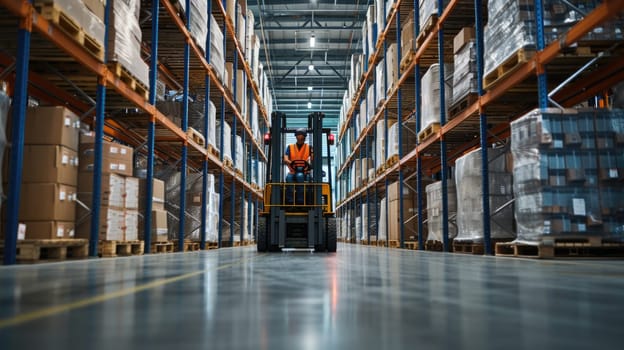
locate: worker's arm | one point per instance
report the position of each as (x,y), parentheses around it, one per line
(287,160)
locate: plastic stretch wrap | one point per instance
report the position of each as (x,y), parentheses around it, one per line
(199,22)
(380,87)
(511,26)
(131,219)
(434,210)
(193,213)
(371,30)
(562,160)
(380,17)
(250,32)
(358,228)
(364,232)
(240,159)
(382,232)
(430,83)
(196,116)
(211,138)
(465,71)
(392,66)
(364,43)
(226,146)
(370,102)
(217,58)
(5,102)
(380,142)
(255,127)
(78,11)
(468,177)
(124,39)
(427,8)
(363,114)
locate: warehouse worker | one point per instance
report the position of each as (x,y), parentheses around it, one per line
(298,151)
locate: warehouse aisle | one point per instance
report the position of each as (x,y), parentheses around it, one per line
(360,298)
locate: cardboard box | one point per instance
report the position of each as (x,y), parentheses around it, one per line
(50,163)
(131,225)
(464,36)
(131,193)
(112,191)
(51,126)
(109,166)
(229,75)
(49,229)
(159,226)
(394,225)
(393,191)
(47,202)
(97,7)
(112,222)
(158,194)
(109,149)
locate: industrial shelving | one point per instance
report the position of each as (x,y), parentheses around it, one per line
(88,87)
(483,121)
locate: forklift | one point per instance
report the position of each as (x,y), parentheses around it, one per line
(297,214)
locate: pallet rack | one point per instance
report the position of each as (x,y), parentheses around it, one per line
(80,70)
(480,122)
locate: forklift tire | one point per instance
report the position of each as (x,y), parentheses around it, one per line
(331,235)
(261,240)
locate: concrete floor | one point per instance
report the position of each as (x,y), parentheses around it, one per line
(360,298)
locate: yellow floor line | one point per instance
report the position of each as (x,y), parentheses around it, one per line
(53,310)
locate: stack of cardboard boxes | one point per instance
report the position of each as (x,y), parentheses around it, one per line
(159,214)
(50,173)
(119,191)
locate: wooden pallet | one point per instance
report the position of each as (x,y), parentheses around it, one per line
(162,247)
(109,249)
(123,74)
(211,245)
(507,67)
(413,245)
(461,104)
(238,172)
(429,25)
(406,60)
(392,161)
(475,247)
(435,246)
(213,151)
(53,13)
(382,243)
(560,247)
(393,243)
(38,250)
(243,243)
(431,129)
(380,170)
(228,163)
(196,136)
(188,246)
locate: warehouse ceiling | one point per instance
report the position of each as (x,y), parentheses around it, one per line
(285,28)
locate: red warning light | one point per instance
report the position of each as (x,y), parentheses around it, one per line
(331,139)
(267,138)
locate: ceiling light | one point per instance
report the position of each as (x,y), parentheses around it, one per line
(311,67)
(309,88)
(309,105)
(312,41)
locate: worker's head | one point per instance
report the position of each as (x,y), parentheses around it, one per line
(301,134)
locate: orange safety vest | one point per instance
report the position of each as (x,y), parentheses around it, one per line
(296,153)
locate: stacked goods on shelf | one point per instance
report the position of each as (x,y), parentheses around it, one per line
(211,139)
(370,32)
(217,56)
(568,165)
(159,231)
(364,218)
(511,28)
(380,142)
(392,66)
(380,83)
(382,225)
(380,16)
(49,173)
(359,228)
(355,73)
(256,66)
(87,14)
(4,114)
(239,217)
(434,210)
(240,153)
(408,138)
(465,65)
(427,12)
(240,26)
(241,91)
(196,116)
(193,197)
(468,177)
(199,20)
(119,192)
(249,37)
(410,227)
(430,83)
(226,146)
(124,39)
(370,102)
(408,42)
